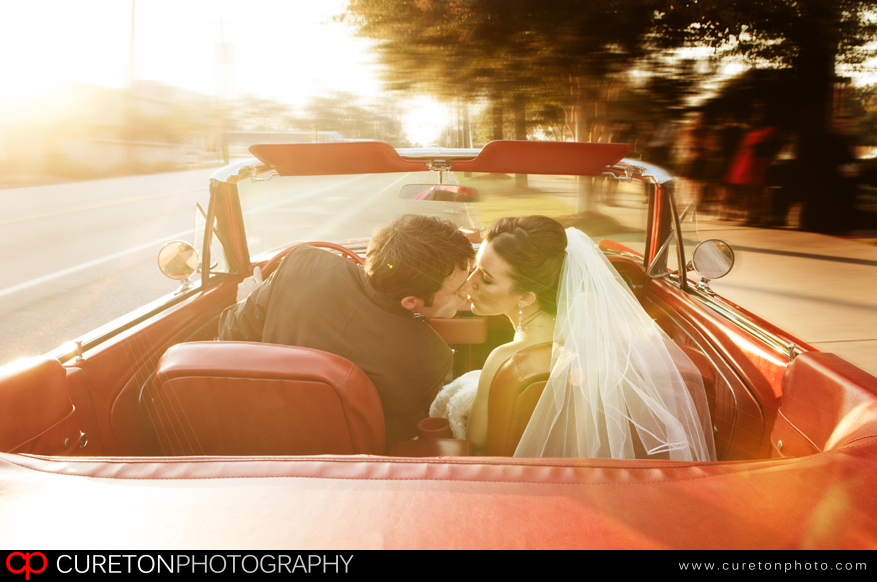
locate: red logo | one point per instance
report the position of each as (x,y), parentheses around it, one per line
(26,568)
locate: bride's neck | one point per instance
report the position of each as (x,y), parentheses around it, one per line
(538,326)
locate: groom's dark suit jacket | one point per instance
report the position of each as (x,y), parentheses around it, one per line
(316,299)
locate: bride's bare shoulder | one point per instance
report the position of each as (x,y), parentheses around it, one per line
(500,354)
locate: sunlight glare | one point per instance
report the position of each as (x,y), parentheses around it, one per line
(425,120)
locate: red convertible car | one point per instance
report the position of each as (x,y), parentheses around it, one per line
(151,435)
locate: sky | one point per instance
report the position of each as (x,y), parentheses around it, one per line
(282,49)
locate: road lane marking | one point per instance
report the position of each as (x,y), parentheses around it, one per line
(83,266)
(93,206)
(77,268)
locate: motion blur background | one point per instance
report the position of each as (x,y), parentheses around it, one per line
(766,110)
(96,88)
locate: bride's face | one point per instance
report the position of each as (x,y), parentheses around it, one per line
(492,286)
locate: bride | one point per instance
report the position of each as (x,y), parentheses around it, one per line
(612,372)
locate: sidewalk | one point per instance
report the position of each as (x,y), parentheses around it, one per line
(821,289)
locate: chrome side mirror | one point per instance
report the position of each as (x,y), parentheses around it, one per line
(711,259)
(178,260)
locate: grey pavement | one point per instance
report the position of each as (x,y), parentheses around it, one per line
(821,289)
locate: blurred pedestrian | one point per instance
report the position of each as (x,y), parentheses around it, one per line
(746,173)
(696,157)
(658,148)
(730,133)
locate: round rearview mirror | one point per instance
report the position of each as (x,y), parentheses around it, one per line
(439,192)
(178,260)
(712,259)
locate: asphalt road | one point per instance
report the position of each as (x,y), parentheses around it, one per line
(80,255)
(819,288)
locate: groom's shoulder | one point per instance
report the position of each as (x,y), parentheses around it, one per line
(310,264)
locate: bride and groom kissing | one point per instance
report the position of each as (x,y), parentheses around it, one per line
(613,371)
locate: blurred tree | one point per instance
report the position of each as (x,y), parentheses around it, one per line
(546,120)
(866,105)
(343,113)
(261,114)
(558,52)
(570,52)
(809,37)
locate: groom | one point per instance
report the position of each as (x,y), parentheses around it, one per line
(416,267)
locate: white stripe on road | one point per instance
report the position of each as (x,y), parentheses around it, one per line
(83,266)
(77,268)
(98,205)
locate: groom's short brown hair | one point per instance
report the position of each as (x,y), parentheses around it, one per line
(413,255)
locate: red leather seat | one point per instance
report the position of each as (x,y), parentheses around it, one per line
(240,398)
(519,383)
(827,403)
(514,392)
(38,417)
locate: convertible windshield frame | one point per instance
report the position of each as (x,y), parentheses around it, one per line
(655,179)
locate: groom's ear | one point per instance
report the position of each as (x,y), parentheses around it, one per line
(412,304)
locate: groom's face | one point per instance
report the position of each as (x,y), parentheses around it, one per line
(452,295)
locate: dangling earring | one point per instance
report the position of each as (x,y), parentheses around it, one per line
(520,319)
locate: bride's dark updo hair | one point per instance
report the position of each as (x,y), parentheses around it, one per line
(534,247)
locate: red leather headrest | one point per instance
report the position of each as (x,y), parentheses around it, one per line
(34,396)
(828,400)
(240,398)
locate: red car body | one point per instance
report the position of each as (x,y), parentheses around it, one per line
(795,428)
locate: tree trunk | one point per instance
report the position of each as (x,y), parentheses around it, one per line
(815,65)
(520,133)
(459,137)
(585,183)
(497,120)
(467,133)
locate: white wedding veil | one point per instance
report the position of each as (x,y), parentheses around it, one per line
(617,382)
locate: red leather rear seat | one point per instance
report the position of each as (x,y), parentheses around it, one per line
(240,398)
(826,403)
(38,417)
(519,382)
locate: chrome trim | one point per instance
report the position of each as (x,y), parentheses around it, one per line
(439,165)
(429,153)
(239,171)
(660,175)
(704,287)
(636,258)
(649,271)
(680,242)
(68,351)
(185,285)
(250,167)
(779,344)
(233,169)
